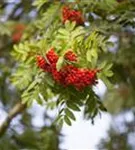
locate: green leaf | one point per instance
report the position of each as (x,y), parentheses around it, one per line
(102,107)
(107,82)
(106,69)
(31,86)
(70,25)
(88,55)
(48,80)
(94,53)
(40,100)
(69,114)
(108,73)
(63,32)
(39,3)
(94,115)
(60,63)
(91,103)
(67,120)
(73,106)
(60,123)
(29,103)
(78,32)
(108,66)
(67,24)
(102,65)
(92,56)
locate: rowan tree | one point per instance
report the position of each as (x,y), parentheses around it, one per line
(57,57)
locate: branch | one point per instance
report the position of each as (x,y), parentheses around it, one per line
(17,109)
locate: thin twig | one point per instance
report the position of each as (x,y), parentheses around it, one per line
(17,109)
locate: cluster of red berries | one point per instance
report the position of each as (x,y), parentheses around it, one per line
(18,32)
(68,75)
(79,78)
(70,56)
(72,15)
(48,63)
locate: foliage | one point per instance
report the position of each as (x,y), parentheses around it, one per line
(88,44)
(44,137)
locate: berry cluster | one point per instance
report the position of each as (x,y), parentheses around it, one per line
(79,78)
(48,63)
(72,15)
(17,33)
(70,56)
(68,75)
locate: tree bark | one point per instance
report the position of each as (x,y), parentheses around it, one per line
(17,109)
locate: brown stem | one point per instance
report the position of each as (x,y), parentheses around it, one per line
(17,109)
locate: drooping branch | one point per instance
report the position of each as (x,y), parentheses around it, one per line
(17,109)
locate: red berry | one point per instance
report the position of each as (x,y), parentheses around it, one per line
(18,32)
(41,62)
(16,37)
(52,56)
(49,66)
(72,15)
(71,56)
(56,75)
